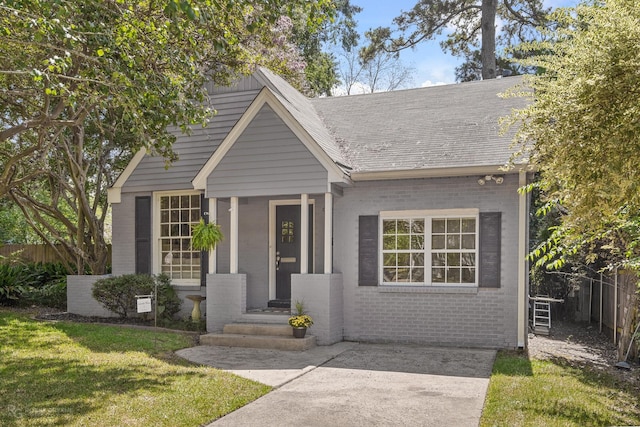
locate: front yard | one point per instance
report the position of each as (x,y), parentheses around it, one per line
(85,374)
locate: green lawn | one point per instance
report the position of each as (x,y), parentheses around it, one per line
(54,374)
(552,393)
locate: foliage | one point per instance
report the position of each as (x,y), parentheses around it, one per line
(85,85)
(34,284)
(473,24)
(205,236)
(321,69)
(581,132)
(525,392)
(300,319)
(78,374)
(118,294)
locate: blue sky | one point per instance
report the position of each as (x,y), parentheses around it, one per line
(431,64)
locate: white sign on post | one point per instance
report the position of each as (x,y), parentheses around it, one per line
(144,305)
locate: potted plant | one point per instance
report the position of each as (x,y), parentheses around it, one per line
(205,237)
(300,321)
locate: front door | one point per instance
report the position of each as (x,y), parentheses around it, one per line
(288,246)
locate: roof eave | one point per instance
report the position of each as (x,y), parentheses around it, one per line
(436,172)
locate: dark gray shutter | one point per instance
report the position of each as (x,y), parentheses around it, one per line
(490,249)
(143,234)
(204,255)
(368,250)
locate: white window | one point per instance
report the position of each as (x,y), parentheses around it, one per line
(429,247)
(178,212)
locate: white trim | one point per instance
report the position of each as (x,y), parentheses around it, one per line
(213,217)
(155,235)
(233,238)
(113,193)
(265,96)
(328,233)
(522,261)
(304,233)
(430,173)
(427,214)
(272,239)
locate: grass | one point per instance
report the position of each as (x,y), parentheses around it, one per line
(74,374)
(554,393)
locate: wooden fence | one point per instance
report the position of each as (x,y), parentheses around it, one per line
(33,253)
(610,302)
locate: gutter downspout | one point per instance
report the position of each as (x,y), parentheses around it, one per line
(522,262)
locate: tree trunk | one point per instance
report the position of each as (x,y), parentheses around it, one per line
(488,50)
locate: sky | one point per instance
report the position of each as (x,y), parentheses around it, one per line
(432,66)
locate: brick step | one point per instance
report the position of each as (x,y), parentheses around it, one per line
(260,341)
(257,329)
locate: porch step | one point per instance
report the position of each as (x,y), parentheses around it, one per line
(259,335)
(259,341)
(257,329)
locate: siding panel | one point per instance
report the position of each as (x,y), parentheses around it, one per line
(267,159)
(194,149)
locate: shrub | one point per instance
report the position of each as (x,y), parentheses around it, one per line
(33,284)
(118,294)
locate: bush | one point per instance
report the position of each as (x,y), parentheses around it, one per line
(118,294)
(34,284)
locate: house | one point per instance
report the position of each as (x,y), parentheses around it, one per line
(387,214)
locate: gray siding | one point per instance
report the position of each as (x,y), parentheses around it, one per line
(267,159)
(482,317)
(243,84)
(194,150)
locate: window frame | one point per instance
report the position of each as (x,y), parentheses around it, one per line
(157,246)
(428,215)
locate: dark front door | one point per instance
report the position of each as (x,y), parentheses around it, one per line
(288,246)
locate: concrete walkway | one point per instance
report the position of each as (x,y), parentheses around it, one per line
(350,384)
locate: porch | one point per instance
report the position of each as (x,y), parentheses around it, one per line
(275,250)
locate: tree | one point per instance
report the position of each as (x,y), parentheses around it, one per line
(321,69)
(474,22)
(382,73)
(582,133)
(83,85)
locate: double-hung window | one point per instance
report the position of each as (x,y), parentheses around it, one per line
(429,247)
(178,212)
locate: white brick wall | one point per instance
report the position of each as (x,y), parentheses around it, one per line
(322,297)
(226,299)
(482,318)
(80,297)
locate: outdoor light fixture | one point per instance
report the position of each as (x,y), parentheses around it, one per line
(483,180)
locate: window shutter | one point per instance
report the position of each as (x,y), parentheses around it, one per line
(368,250)
(143,234)
(490,249)
(204,255)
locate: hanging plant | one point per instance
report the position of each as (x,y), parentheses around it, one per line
(205,237)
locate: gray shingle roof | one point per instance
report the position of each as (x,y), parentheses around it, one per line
(435,127)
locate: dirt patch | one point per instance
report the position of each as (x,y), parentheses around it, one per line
(582,346)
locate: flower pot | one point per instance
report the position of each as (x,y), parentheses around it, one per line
(299,332)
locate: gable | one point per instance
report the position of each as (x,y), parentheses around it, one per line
(193,150)
(267,158)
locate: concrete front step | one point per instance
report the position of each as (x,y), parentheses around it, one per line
(260,341)
(257,329)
